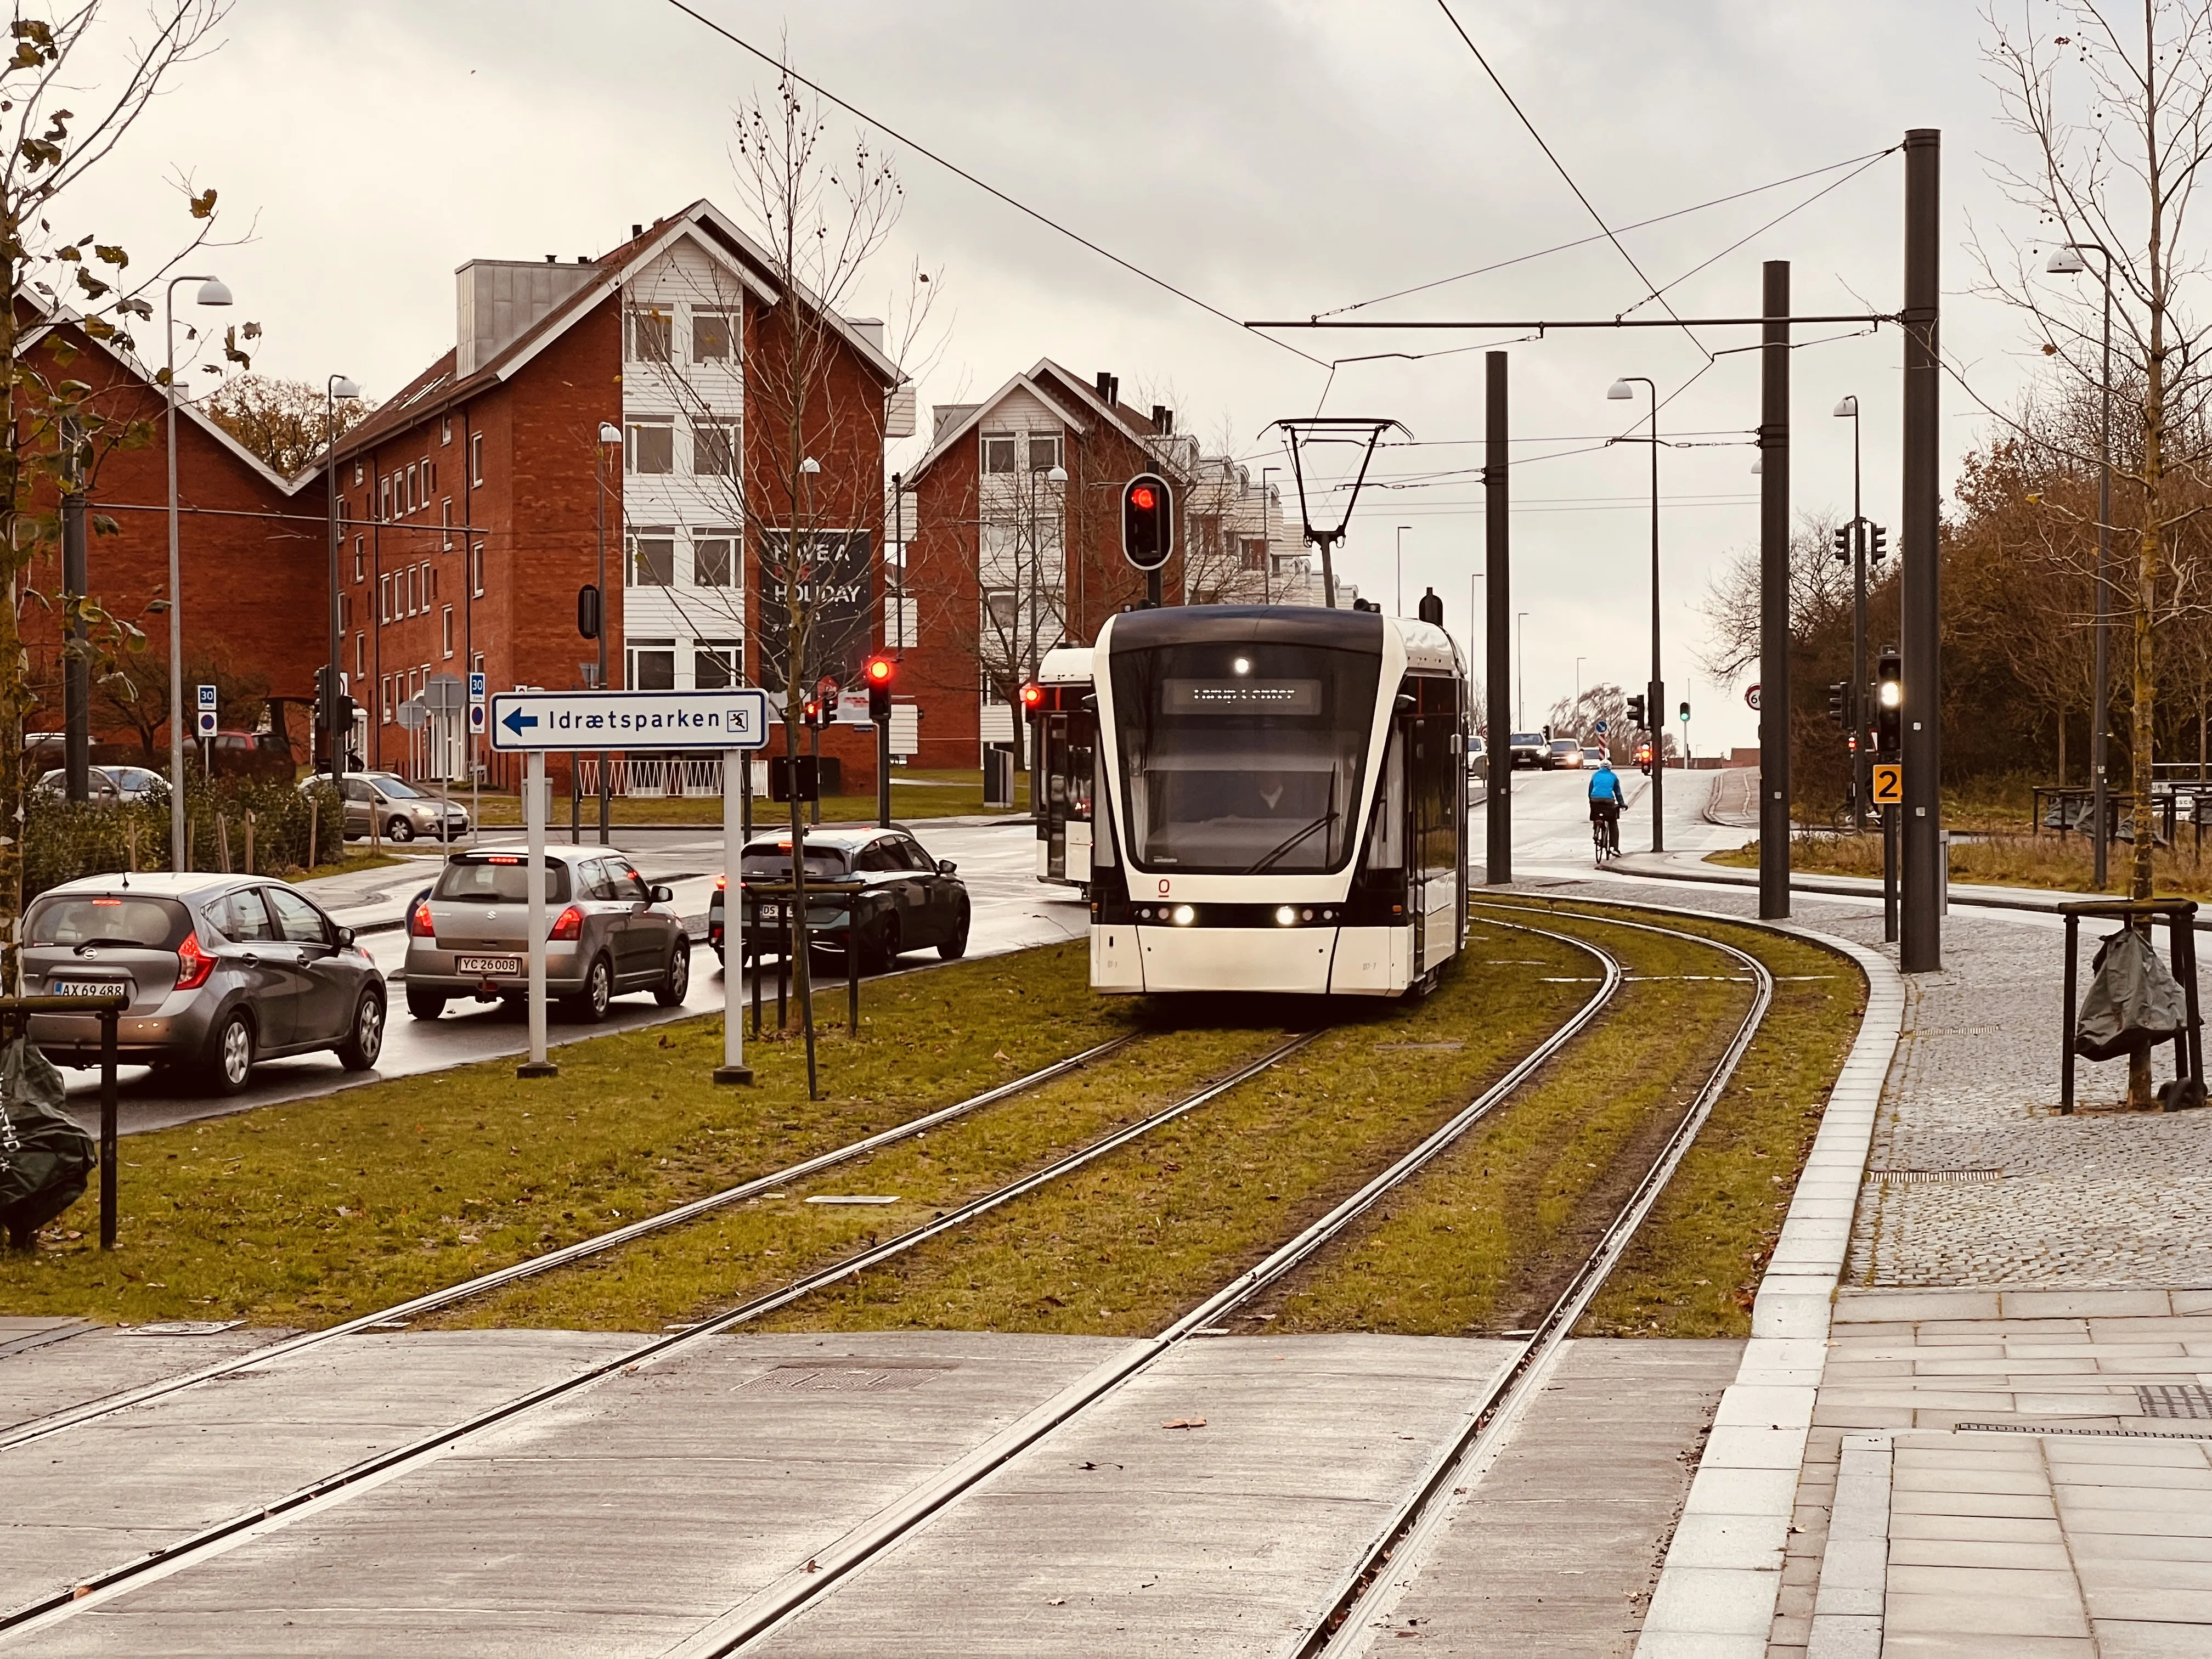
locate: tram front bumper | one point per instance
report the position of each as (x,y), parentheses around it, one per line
(1129,960)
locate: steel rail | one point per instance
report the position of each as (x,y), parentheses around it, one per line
(160,1563)
(791,1594)
(1348,1626)
(432,1300)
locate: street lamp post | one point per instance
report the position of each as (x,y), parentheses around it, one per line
(212,293)
(1401,609)
(1267,556)
(1849,409)
(1655,693)
(2068,262)
(334,388)
(611,439)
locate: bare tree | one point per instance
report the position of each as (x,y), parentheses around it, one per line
(1819,593)
(61,425)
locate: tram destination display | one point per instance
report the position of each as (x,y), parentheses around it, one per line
(1240,696)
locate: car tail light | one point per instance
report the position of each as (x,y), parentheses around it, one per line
(569,924)
(721,882)
(419,923)
(193,964)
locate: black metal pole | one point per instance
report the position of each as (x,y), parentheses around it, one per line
(1889,875)
(76,668)
(1860,748)
(2100,712)
(107,1198)
(1655,707)
(1774,596)
(1920,582)
(606,760)
(1498,580)
(884,774)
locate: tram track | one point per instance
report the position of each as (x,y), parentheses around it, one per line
(90,1590)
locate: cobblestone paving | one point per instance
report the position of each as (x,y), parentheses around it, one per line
(2094,1200)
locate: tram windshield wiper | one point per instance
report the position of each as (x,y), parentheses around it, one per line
(1284,846)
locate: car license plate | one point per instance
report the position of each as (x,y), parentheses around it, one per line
(86,987)
(489,965)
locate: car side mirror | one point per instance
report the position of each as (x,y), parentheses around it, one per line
(345,938)
(945,866)
(664,894)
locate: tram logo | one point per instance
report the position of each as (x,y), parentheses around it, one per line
(1164,886)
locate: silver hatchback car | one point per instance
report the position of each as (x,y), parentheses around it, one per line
(221,971)
(607,932)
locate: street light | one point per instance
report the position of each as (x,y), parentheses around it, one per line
(1848,409)
(211,293)
(611,439)
(1401,609)
(1521,677)
(1621,390)
(2068,262)
(336,388)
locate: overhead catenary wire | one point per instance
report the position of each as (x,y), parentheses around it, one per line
(781,67)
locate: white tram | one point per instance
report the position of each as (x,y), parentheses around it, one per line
(1280,801)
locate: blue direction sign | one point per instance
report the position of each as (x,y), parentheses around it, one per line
(734,719)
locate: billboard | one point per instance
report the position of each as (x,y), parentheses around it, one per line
(837,586)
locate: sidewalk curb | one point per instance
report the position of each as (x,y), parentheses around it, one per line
(1722,1580)
(1643,864)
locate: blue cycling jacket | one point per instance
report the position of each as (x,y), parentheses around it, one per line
(1605,784)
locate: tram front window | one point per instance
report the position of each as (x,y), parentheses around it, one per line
(1243,757)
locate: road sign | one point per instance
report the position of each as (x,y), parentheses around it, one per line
(207,696)
(413,715)
(540,720)
(476,688)
(852,707)
(443,695)
(205,726)
(1888,784)
(1751,695)
(1600,728)
(476,720)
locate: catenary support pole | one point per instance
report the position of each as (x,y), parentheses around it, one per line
(737,785)
(1774,596)
(1497,581)
(537,803)
(1920,947)
(76,667)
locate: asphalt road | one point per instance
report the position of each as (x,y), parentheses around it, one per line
(1011,910)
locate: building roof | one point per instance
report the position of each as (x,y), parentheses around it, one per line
(703,223)
(1074,399)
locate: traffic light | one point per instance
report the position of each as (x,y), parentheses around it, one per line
(1879,544)
(1636,720)
(1147,521)
(1843,543)
(810,713)
(878,675)
(1685,711)
(1836,711)
(587,612)
(1889,702)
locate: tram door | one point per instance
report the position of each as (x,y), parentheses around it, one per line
(1065,741)
(1436,807)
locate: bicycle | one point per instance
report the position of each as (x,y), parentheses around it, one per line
(1605,841)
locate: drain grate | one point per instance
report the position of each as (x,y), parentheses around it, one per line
(836,1379)
(2058,1429)
(2175,1400)
(1956,1177)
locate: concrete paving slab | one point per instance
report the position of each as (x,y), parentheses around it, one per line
(104,1361)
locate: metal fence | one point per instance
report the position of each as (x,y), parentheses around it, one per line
(651,776)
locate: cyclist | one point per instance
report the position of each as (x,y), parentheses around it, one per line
(1605,801)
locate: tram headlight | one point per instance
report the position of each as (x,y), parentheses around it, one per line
(1285,917)
(1243,665)
(1184,915)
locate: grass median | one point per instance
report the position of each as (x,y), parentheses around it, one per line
(2001,861)
(307,1213)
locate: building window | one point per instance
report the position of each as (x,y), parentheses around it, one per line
(713,448)
(360,560)
(651,446)
(999,454)
(345,611)
(446,429)
(446,524)
(358,472)
(430,479)
(384,499)
(446,632)
(475,664)
(714,559)
(1044,453)
(476,568)
(650,331)
(1255,555)
(383,699)
(710,336)
(475,458)
(429,584)
(652,560)
(1002,612)
(651,664)
(715,664)
(360,658)
(414,497)
(383,599)
(413,588)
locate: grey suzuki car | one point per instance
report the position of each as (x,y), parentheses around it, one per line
(606,933)
(221,971)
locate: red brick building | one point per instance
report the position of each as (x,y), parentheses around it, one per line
(251,547)
(480,499)
(1004,560)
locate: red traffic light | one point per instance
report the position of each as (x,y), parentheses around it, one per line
(1032,694)
(879,671)
(1147,521)
(1143,499)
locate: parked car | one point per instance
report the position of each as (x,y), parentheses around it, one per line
(220,971)
(1593,753)
(878,889)
(1477,757)
(1529,749)
(106,786)
(1564,755)
(399,811)
(607,934)
(248,755)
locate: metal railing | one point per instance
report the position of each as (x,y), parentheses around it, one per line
(651,776)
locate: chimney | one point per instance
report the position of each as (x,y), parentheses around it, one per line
(1163,419)
(497,300)
(636,231)
(870,329)
(1107,386)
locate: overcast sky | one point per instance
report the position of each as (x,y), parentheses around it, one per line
(1275,158)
